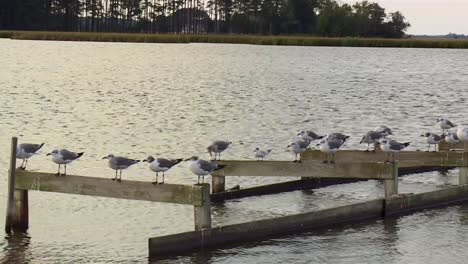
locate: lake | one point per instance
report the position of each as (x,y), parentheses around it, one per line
(172,100)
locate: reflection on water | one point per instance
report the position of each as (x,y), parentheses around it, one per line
(173,100)
(16,248)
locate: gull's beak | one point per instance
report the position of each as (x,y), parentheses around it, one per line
(422,136)
(145,160)
(187,159)
(317,145)
(360,142)
(48,154)
(105,158)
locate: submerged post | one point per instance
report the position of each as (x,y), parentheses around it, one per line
(203,212)
(11,186)
(218,183)
(391,185)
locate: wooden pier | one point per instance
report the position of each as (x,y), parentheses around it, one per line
(350,165)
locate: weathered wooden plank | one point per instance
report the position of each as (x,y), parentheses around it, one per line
(443,146)
(310,168)
(251,231)
(135,190)
(405,158)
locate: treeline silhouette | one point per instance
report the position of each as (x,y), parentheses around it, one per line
(317,17)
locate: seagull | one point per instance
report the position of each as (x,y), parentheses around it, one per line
(118,163)
(298,147)
(25,151)
(386,131)
(161,165)
(64,157)
(330,146)
(337,136)
(261,154)
(371,137)
(202,168)
(217,147)
(445,124)
(392,146)
(432,139)
(309,135)
(451,138)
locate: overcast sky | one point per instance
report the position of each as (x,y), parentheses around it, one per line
(430,17)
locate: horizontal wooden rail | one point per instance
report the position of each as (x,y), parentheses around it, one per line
(405,158)
(135,190)
(311,168)
(444,146)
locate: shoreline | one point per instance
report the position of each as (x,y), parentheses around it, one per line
(280,40)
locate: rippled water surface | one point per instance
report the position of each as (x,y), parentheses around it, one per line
(171,100)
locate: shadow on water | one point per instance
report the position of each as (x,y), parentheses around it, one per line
(16,248)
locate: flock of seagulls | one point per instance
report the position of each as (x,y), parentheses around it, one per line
(329,144)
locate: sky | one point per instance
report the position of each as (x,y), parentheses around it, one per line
(429,17)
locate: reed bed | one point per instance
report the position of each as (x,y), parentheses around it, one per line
(238,39)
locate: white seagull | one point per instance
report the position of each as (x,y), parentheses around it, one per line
(118,163)
(201,168)
(161,165)
(261,154)
(25,151)
(63,157)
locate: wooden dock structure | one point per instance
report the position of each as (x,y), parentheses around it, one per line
(349,165)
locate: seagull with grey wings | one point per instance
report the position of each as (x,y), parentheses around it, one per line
(161,165)
(64,157)
(432,139)
(119,163)
(25,151)
(217,147)
(385,130)
(330,147)
(309,135)
(391,147)
(201,168)
(337,136)
(451,138)
(445,124)
(371,137)
(298,147)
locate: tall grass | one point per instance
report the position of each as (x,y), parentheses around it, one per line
(238,39)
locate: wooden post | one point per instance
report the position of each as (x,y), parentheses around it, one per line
(203,212)
(218,183)
(20,210)
(463,170)
(391,185)
(11,186)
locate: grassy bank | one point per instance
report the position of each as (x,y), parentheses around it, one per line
(238,39)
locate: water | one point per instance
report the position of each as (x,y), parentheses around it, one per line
(173,99)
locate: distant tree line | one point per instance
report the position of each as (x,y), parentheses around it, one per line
(316,17)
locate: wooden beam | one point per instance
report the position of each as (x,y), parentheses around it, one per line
(135,190)
(405,158)
(11,186)
(443,146)
(391,185)
(310,168)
